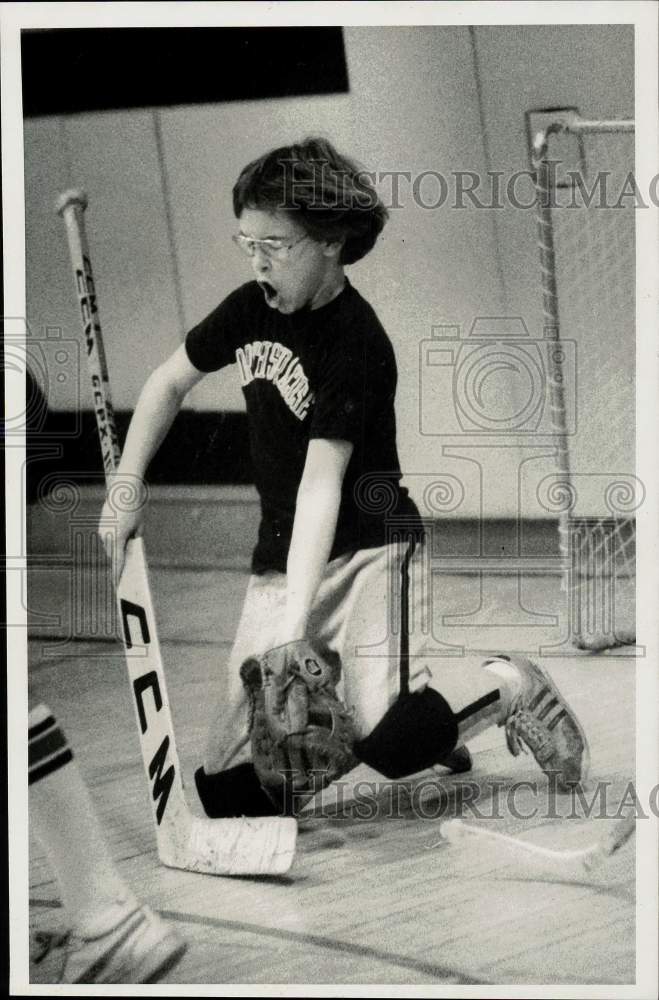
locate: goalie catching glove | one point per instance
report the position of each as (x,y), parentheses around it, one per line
(302,735)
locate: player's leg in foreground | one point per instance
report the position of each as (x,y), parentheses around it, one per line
(112,937)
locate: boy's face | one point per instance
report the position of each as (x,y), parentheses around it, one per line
(303,273)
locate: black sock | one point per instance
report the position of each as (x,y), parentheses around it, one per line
(234,792)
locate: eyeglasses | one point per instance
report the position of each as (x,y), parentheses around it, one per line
(275,249)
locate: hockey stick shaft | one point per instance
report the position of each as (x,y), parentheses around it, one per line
(231,846)
(456,831)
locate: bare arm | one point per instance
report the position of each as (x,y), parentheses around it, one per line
(157,406)
(316,513)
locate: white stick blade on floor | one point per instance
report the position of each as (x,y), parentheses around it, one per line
(245,846)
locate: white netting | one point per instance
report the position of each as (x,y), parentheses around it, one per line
(593,235)
(601,581)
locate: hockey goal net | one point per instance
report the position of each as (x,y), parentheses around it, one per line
(585,207)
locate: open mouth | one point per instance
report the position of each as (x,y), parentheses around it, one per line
(268,290)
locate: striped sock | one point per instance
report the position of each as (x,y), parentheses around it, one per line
(48,749)
(63,818)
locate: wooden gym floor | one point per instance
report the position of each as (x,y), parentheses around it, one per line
(372,897)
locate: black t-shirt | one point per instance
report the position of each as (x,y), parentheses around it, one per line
(316,373)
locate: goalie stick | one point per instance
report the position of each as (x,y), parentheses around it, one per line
(244,846)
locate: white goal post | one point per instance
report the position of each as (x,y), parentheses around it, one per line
(586,243)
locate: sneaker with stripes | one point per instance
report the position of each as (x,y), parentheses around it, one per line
(141,949)
(540,719)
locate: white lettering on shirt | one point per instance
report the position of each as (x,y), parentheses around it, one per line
(275,363)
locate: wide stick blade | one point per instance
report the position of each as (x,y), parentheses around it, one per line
(245,846)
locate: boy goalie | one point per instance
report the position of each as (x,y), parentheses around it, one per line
(319,677)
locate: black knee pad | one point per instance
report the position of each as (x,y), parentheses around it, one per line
(415,733)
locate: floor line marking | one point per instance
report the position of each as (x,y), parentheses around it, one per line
(329,944)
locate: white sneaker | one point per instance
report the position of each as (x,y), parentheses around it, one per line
(141,949)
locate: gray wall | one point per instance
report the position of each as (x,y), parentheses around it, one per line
(421,98)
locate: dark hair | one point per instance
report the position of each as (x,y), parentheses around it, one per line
(330,196)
